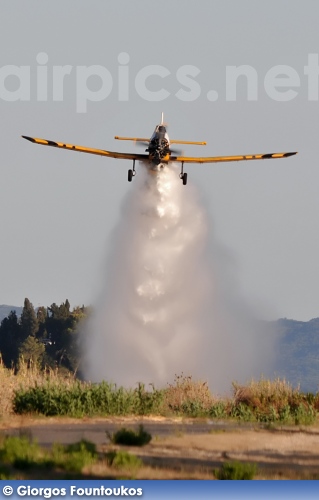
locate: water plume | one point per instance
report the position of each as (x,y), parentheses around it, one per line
(168,304)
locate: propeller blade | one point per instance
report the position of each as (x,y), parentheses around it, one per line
(175,151)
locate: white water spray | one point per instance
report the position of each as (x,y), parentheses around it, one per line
(162,311)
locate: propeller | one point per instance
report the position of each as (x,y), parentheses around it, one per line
(177,152)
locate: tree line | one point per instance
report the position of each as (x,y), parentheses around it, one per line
(46,337)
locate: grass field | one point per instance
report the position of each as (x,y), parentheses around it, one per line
(32,391)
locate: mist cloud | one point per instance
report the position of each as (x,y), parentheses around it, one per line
(169,302)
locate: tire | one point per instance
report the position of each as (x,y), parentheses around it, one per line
(184,179)
(130,175)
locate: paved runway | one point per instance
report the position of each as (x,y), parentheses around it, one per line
(95,430)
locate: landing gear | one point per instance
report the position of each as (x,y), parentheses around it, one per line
(183,175)
(184,179)
(131,173)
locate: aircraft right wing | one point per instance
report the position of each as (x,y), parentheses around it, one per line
(216,159)
(83,149)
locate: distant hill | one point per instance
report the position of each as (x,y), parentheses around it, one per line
(298,352)
(5,311)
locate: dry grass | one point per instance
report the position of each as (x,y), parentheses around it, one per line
(259,400)
(27,376)
(188,395)
(257,392)
(263,393)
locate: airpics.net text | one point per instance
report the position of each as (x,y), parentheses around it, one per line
(95,83)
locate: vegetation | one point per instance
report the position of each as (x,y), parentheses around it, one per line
(274,401)
(259,401)
(22,454)
(46,337)
(130,437)
(76,399)
(236,471)
(188,397)
(123,460)
(19,452)
(40,361)
(39,365)
(21,458)
(73,457)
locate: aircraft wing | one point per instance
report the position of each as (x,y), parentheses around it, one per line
(216,159)
(83,149)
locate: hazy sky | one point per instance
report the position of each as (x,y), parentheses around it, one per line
(58,208)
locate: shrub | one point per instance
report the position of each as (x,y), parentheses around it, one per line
(304,415)
(130,437)
(218,410)
(188,397)
(74,457)
(123,460)
(236,471)
(242,412)
(26,376)
(20,452)
(5,473)
(146,402)
(273,401)
(79,399)
(76,400)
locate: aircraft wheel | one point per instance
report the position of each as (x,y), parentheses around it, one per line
(130,175)
(184,179)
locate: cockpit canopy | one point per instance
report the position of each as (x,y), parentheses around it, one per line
(160,133)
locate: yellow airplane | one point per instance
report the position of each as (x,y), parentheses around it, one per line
(159,152)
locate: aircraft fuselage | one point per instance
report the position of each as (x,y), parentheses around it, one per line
(159,146)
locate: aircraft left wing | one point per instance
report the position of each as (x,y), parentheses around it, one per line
(216,159)
(83,149)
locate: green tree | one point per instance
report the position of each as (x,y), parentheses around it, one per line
(61,325)
(28,321)
(9,339)
(42,315)
(48,336)
(31,351)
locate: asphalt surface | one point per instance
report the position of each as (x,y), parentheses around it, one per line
(96,431)
(290,452)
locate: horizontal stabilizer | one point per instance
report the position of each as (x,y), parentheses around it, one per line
(195,143)
(135,139)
